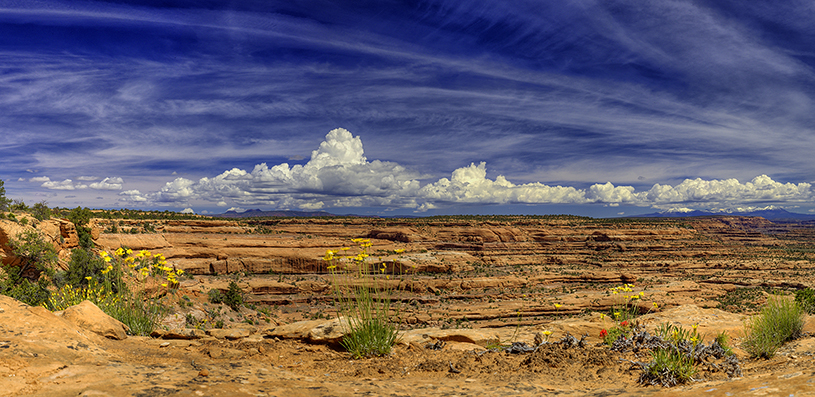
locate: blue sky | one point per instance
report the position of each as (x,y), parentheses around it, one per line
(596,108)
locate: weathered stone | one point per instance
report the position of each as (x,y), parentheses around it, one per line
(184,334)
(229,333)
(90,317)
(220,352)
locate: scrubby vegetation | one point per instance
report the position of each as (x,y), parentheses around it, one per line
(781,320)
(365,305)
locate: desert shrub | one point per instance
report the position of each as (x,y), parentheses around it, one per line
(670,367)
(234,296)
(780,320)
(215,296)
(723,340)
(623,329)
(4,202)
(366,307)
(36,254)
(14,285)
(84,266)
(101,280)
(806,299)
(40,211)
(18,205)
(80,217)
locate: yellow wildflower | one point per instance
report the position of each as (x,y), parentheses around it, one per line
(88,278)
(399,250)
(558,305)
(547,332)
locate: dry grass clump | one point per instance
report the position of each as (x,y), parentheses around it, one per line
(780,320)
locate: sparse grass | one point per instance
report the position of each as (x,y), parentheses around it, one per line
(670,367)
(806,299)
(781,320)
(365,306)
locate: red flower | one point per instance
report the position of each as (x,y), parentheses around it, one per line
(603,333)
(624,323)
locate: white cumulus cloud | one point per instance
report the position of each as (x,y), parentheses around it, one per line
(66,184)
(108,184)
(339,175)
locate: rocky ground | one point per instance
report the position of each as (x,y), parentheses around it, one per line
(461,285)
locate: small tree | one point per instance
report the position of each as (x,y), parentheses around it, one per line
(36,254)
(4,202)
(24,282)
(40,211)
(80,218)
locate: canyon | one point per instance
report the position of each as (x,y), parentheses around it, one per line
(464,282)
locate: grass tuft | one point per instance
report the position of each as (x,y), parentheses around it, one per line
(780,320)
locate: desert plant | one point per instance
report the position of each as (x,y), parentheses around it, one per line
(723,340)
(669,367)
(215,296)
(80,217)
(35,253)
(105,286)
(234,296)
(365,306)
(781,319)
(625,306)
(806,299)
(84,265)
(4,201)
(40,211)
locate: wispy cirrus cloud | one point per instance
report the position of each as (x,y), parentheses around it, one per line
(558,97)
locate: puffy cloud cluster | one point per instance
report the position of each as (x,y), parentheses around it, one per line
(339,175)
(110,183)
(471,185)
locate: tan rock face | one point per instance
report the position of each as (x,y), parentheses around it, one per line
(87,316)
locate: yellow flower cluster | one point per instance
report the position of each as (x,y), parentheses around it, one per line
(69,295)
(144,263)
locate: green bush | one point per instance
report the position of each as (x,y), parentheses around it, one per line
(215,296)
(4,202)
(26,282)
(670,367)
(780,320)
(14,285)
(80,217)
(806,299)
(40,211)
(371,329)
(84,263)
(36,254)
(234,296)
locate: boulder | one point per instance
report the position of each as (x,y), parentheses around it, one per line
(88,316)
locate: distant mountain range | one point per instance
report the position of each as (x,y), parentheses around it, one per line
(256,213)
(776,215)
